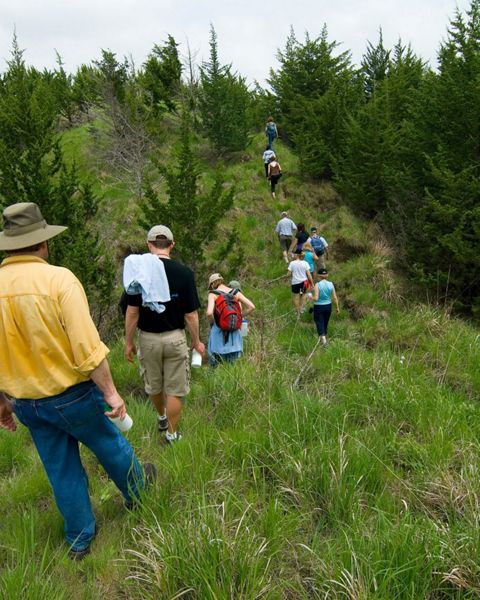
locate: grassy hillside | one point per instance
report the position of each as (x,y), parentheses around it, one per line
(349,472)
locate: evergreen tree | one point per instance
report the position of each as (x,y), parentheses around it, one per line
(375,65)
(448,148)
(193,215)
(32,168)
(161,76)
(315,90)
(111,78)
(85,88)
(375,165)
(224,103)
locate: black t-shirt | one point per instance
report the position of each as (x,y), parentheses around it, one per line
(184,299)
(302,236)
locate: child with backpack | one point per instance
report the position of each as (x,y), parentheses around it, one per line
(271,131)
(225,309)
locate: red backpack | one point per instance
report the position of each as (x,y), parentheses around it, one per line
(227,312)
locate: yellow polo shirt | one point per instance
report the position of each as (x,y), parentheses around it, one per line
(48,341)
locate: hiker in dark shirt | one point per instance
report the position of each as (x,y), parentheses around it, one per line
(300,238)
(163,349)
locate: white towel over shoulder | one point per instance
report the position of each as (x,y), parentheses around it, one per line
(145,274)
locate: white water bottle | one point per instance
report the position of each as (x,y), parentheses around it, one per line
(196,359)
(244,328)
(122,425)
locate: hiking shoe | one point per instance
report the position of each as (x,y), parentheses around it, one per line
(172,438)
(162,423)
(78,554)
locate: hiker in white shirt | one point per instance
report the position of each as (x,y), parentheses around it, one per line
(301,281)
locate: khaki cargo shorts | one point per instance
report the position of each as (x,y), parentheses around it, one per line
(285,242)
(164,362)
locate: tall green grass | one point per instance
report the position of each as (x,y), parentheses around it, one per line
(350,472)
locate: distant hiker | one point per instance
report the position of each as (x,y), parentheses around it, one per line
(274,174)
(271,131)
(285,230)
(235,285)
(320,246)
(300,238)
(323,293)
(162,347)
(55,376)
(301,280)
(310,257)
(225,310)
(268,155)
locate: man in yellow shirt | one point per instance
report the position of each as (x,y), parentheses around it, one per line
(55,376)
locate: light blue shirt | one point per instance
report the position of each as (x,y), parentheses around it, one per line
(325,291)
(267,155)
(309,258)
(286,227)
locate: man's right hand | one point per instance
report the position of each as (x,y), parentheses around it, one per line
(130,351)
(6,416)
(117,404)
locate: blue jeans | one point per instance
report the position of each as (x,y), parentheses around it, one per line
(57,424)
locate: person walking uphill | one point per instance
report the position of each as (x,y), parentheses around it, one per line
(162,347)
(285,230)
(320,246)
(322,304)
(274,174)
(268,155)
(301,277)
(225,346)
(271,131)
(55,376)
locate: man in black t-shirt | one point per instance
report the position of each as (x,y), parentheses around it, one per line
(162,348)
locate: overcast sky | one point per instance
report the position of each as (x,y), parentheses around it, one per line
(249,31)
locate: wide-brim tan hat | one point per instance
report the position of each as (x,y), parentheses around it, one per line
(213,278)
(25,226)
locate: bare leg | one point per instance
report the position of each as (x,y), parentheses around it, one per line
(296,302)
(174,412)
(159,403)
(303,300)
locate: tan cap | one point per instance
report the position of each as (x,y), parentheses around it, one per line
(25,226)
(213,278)
(159,230)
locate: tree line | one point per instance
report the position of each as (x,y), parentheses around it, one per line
(399,140)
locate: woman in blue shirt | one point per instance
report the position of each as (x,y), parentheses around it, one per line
(322,304)
(310,256)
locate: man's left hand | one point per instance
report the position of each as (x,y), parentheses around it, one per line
(6,416)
